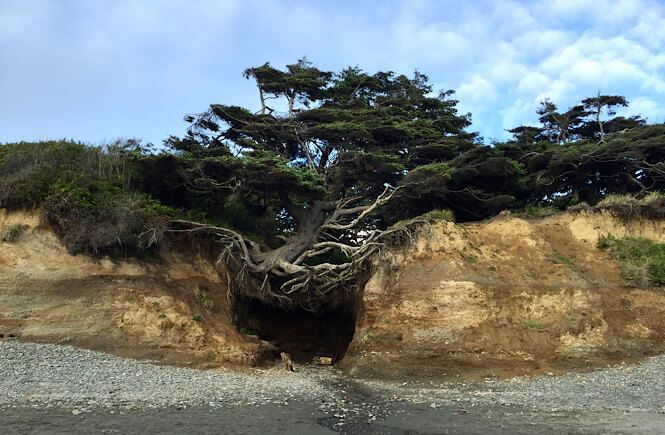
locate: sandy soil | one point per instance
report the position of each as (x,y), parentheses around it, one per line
(506,297)
(138,309)
(494,299)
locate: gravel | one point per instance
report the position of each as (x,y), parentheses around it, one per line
(56,375)
(626,388)
(44,376)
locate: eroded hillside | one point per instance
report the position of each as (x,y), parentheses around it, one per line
(147,309)
(506,297)
(500,298)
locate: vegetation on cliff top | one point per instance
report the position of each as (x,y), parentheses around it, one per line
(300,200)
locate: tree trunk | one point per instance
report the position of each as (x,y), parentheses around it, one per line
(600,124)
(263,100)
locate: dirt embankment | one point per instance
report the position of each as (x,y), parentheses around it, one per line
(129,308)
(506,297)
(499,298)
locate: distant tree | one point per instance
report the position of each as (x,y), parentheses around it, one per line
(560,125)
(526,135)
(595,106)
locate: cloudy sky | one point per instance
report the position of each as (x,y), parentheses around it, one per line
(99,70)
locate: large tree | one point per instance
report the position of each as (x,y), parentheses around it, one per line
(312,179)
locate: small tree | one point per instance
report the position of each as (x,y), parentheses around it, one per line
(596,105)
(560,125)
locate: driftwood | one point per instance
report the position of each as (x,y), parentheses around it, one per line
(286,359)
(323,360)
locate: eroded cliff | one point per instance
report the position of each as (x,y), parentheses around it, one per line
(506,297)
(501,298)
(141,309)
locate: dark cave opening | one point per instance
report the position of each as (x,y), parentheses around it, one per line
(300,333)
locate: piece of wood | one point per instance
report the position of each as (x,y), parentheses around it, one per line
(323,360)
(286,359)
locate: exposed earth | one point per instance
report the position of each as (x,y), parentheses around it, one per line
(451,321)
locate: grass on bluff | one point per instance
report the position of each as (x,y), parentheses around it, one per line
(537,210)
(642,260)
(652,205)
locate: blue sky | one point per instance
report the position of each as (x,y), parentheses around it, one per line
(100,70)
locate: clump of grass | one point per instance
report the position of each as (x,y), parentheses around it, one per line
(642,260)
(562,259)
(439,215)
(201,298)
(197,317)
(11,233)
(467,257)
(531,324)
(539,210)
(651,205)
(246,330)
(429,217)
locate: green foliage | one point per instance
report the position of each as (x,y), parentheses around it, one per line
(533,325)
(11,233)
(439,215)
(561,259)
(440,169)
(642,260)
(87,192)
(197,317)
(537,210)
(201,298)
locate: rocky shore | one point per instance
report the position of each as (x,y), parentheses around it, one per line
(48,388)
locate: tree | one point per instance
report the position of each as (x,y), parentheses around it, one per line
(316,176)
(596,105)
(583,121)
(526,135)
(560,126)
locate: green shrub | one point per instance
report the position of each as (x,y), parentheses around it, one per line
(11,233)
(87,193)
(642,260)
(439,215)
(627,206)
(541,210)
(197,317)
(537,210)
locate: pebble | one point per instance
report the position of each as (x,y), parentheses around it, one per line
(49,376)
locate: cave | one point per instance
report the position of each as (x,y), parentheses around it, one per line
(300,333)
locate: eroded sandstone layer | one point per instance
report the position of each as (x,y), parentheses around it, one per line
(500,298)
(141,309)
(506,297)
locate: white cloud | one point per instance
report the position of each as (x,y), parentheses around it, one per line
(647,108)
(169,58)
(507,73)
(533,82)
(477,90)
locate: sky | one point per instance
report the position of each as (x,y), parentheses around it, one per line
(96,71)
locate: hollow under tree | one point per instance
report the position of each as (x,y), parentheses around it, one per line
(316,175)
